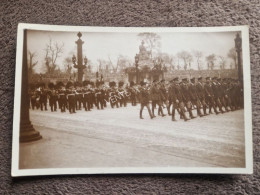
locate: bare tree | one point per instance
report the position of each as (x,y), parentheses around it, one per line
(31,62)
(222,63)
(233,55)
(186,57)
(114,67)
(52,53)
(152,40)
(168,60)
(123,62)
(198,55)
(211,61)
(104,65)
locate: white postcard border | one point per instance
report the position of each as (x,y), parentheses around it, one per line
(15,171)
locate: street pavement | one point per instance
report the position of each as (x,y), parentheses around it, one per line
(118,138)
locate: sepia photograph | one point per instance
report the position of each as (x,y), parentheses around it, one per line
(106,100)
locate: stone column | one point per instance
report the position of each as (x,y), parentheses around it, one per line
(27,131)
(79,65)
(238,45)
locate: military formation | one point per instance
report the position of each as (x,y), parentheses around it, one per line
(204,95)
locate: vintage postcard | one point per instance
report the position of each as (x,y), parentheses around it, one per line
(103,100)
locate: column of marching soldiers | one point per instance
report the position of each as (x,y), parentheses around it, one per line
(204,95)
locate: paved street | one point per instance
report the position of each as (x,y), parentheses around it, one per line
(118,138)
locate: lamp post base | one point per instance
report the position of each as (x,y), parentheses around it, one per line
(28,133)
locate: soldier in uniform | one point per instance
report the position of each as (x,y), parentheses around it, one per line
(87,96)
(43,97)
(79,95)
(222,94)
(62,100)
(53,97)
(201,95)
(217,93)
(98,96)
(225,85)
(113,95)
(187,96)
(194,96)
(177,99)
(133,93)
(164,95)
(156,98)
(209,95)
(122,94)
(144,100)
(71,92)
(103,94)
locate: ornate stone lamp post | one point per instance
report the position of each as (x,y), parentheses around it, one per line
(79,65)
(27,131)
(136,67)
(238,44)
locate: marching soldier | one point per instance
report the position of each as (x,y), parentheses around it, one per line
(164,95)
(43,97)
(78,95)
(156,98)
(122,94)
(98,96)
(53,97)
(201,95)
(62,100)
(71,97)
(225,84)
(144,100)
(210,96)
(87,96)
(194,96)
(187,96)
(177,99)
(133,93)
(222,94)
(217,93)
(113,95)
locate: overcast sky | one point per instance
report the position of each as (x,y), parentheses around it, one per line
(101,45)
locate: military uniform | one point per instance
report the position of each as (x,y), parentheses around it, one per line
(144,100)
(201,95)
(177,99)
(187,97)
(79,98)
(122,94)
(53,97)
(133,93)
(43,99)
(71,96)
(217,93)
(194,96)
(62,99)
(99,101)
(156,98)
(210,96)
